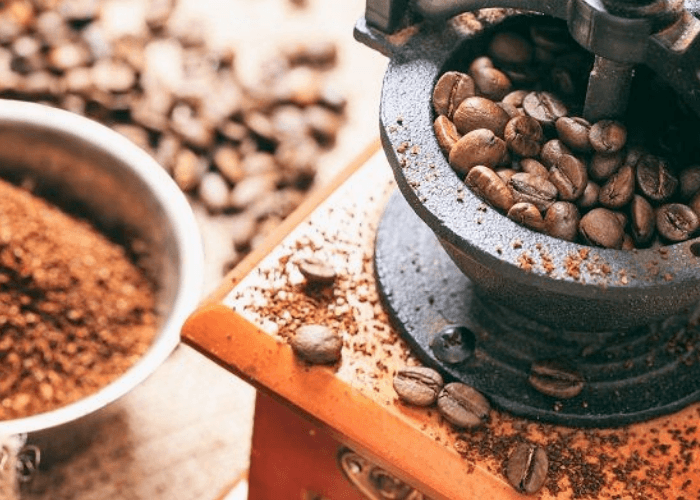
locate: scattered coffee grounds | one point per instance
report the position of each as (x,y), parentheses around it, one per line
(510,124)
(75,312)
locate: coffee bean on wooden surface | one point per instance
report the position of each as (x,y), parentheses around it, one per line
(445,133)
(527,215)
(527,468)
(418,385)
(556,379)
(608,136)
(603,165)
(643,220)
(533,189)
(573,131)
(600,227)
(654,178)
(316,270)
(534,167)
(589,198)
(451,89)
(317,344)
(544,107)
(462,405)
(569,176)
(508,47)
(676,222)
(478,147)
(618,191)
(479,112)
(689,181)
(523,136)
(561,220)
(552,150)
(488,186)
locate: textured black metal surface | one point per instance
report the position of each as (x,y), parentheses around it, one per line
(630,375)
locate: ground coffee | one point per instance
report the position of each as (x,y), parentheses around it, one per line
(75,312)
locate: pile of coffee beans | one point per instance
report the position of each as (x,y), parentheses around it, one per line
(245,150)
(509,123)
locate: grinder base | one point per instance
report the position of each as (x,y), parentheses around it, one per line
(630,375)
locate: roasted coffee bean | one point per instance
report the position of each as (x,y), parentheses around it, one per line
(511,110)
(445,133)
(533,189)
(418,385)
(554,378)
(618,191)
(492,83)
(621,218)
(561,220)
(523,136)
(608,136)
(544,107)
(689,180)
(603,165)
(508,47)
(654,178)
(602,228)
(450,90)
(488,186)
(628,242)
(527,215)
(462,405)
(551,152)
(317,344)
(676,222)
(316,271)
(515,98)
(505,174)
(478,112)
(533,167)
(569,176)
(480,63)
(695,204)
(589,198)
(478,147)
(527,468)
(573,131)
(643,220)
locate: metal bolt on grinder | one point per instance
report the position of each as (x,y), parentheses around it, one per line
(450,268)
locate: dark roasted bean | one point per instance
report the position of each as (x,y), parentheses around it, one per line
(551,152)
(544,107)
(478,112)
(589,198)
(603,165)
(527,468)
(555,379)
(445,133)
(523,136)
(619,189)
(515,98)
(478,147)
(573,131)
(569,176)
(488,186)
(532,189)
(462,405)
(643,220)
(689,180)
(532,166)
(608,136)
(654,178)
(418,385)
(527,215)
(561,220)
(451,89)
(676,222)
(601,227)
(492,83)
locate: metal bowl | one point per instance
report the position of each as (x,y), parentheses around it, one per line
(557,283)
(123,189)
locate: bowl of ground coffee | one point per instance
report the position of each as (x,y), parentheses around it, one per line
(101,263)
(576,283)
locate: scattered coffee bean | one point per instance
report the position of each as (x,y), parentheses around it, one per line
(676,222)
(561,220)
(446,133)
(654,178)
(317,344)
(478,147)
(451,89)
(523,136)
(316,271)
(544,107)
(618,191)
(527,468)
(555,379)
(418,385)
(533,189)
(487,185)
(689,180)
(510,48)
(600,227)
(552,151)
(608,136)
(527,215)
(643,220)
(569,176)
(462,405)
(478,112)
(573,131)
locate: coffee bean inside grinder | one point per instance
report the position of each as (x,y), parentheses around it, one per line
(510,122)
